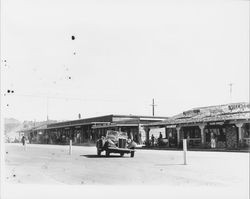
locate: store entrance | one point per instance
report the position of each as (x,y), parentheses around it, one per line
(193,136)
(218,132)
(171,134)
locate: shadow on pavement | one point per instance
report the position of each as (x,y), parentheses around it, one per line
(103,156)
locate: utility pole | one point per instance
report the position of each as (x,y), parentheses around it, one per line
(231,90)
(153,107)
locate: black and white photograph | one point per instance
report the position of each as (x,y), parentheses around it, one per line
(125,99)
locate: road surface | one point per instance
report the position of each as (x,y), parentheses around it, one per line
(52,165)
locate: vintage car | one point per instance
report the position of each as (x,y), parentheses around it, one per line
(115,142)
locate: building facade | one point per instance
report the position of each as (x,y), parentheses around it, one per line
(88,130)
(224,127)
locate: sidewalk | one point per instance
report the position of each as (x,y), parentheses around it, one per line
(196,149)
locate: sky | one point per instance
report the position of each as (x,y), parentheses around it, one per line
(182,53)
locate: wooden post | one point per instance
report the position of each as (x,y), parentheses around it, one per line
(202,133)
(239,125)
(178,135)
(70,147)
(185,151)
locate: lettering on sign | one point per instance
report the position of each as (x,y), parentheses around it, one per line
(238,106)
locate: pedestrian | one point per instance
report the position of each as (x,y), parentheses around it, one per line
(160,140)
(160,136)
(24,142)
(152,139)
(131,135)
(140,139)
(213,144)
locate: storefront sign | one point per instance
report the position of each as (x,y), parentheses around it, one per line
(238,106)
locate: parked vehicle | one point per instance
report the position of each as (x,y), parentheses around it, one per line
(116,142)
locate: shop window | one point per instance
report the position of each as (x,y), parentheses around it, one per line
(221,135)
(192,133)
(218,133)
(207,135)
(186,133)
(197,133)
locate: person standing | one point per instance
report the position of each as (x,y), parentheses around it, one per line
(24,142)
(160,136)
(152,139)
(213,145)
(140,139)
(160,140)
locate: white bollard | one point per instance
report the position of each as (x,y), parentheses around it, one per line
(70,147)
(185,151)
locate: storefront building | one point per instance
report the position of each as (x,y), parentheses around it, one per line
(223,127)
(88,130)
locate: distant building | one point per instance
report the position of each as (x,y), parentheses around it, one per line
(88,130)
(228,125)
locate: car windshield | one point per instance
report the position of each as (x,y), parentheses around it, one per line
(114,133)
(122,134)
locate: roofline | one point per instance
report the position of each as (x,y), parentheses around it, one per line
(219,105)
(113,115)
(139,116)
(71,125)
(114,125)
(192,122)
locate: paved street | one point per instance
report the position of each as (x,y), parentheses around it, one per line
(51,164)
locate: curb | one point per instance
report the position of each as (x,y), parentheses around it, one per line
(199,150)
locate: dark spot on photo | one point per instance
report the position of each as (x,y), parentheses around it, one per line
(73,37)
